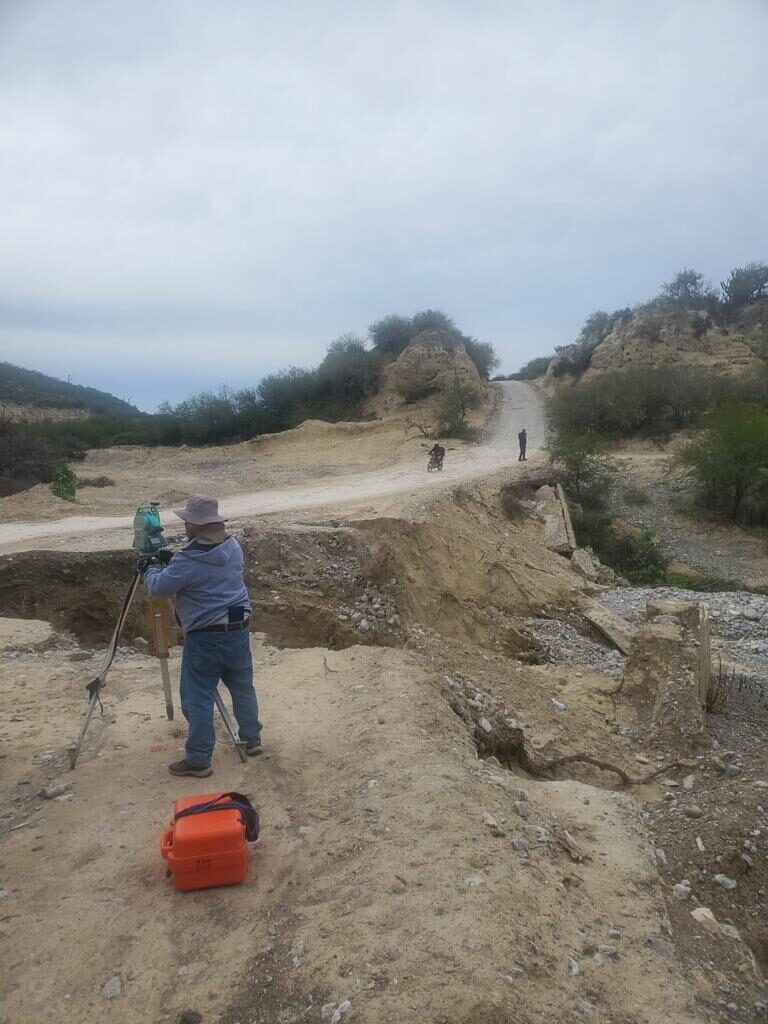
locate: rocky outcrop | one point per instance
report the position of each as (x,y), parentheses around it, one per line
(649,337)
(433,361)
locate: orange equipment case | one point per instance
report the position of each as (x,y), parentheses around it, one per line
(208,848)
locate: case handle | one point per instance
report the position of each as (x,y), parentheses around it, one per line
(166,842)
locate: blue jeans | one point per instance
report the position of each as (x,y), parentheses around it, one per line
(208,658)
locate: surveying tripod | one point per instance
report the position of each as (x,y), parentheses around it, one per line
(148,538)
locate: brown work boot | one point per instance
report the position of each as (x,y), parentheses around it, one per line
(184,768)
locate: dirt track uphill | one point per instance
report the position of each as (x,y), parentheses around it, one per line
(518,405)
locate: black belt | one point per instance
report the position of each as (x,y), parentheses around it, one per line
(222,627)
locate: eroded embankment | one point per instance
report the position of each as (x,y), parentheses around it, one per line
(465,571)
(422,856)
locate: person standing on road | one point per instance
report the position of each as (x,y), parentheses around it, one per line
(522,438)
(212,608)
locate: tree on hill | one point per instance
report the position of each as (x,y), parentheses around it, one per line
(483,355)
(533,368)
(349,373)
(597,325)
(689,289)
(391,335)
(745,284)
(433,320)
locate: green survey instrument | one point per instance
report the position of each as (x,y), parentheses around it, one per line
(148,536)
(148,539)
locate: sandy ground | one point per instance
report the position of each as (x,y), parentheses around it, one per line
(398,875)
(377,878)
(327,459)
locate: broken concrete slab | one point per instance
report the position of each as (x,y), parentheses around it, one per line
(667,672)
(555,534)
(566,516)
(612,626)
(583,563)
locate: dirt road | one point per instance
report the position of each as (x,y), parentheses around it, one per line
(519,405)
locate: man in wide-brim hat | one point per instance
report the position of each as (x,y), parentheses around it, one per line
(213,609)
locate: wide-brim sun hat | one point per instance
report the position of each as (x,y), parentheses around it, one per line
(200,510)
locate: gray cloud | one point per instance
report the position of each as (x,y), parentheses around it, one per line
(205,192)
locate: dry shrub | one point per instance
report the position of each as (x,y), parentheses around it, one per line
(95,481)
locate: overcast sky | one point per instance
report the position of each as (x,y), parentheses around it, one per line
(198,193)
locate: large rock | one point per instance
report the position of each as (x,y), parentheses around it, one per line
(433,361)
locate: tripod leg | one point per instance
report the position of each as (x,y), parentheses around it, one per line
(159,618)
(234,736)
(97,685)
(73,750)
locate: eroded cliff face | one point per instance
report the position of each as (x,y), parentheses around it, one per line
(657,337)
(432,362)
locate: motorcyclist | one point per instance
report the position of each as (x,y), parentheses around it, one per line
(437,452)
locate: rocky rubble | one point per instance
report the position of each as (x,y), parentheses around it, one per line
(372,611)
(563,644)
(738,622)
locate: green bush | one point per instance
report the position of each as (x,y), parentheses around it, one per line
(745,285)
(64,484)
(483,355)
(689,289)
(391,335)
(533,368)
(95,481)
(730,459)
(433,320)
(453,408)
(583,461)
(651,400)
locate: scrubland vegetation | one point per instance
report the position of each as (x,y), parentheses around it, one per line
(336,389)
(725,418)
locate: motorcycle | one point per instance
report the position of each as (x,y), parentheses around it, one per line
(435,462)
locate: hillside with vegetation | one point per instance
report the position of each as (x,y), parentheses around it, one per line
(687,373)
(689,324)
(347,385)
(30,389)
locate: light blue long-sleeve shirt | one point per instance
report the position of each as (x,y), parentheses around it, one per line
(207,581)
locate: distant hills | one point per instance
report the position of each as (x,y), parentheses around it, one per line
(38,391)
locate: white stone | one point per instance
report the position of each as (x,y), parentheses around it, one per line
(725,881)
(341,1009)
(113,988)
